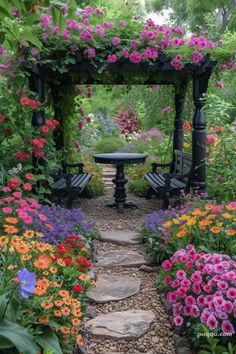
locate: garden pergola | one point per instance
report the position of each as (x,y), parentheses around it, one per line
(81,71)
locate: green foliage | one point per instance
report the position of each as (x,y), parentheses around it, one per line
(109,143)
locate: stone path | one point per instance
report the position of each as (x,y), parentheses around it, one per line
(129,317)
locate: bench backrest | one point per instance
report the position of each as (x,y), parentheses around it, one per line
(182,163)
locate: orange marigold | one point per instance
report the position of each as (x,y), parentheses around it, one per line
(57,313)
(3,240)
(22,247)
(75,321)
(79,340)
(64,293)
(65,311)
(65,329)
(28,234)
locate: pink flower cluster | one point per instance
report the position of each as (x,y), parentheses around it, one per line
(14,203)
(202,288)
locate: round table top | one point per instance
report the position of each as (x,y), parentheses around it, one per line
(120,158)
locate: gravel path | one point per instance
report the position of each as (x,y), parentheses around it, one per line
(159,338)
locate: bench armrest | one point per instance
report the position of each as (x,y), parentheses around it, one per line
(157,164)
(69,165)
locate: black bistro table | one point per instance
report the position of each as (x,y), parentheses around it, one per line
(120,159)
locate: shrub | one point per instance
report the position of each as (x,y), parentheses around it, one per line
(109,143)
(128,122)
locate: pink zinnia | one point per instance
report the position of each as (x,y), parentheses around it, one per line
(181,274)
(227,327)
(6,189)
(166,265)
(7,210)
(189,300)
(231,293)
(178,320)
(212,323)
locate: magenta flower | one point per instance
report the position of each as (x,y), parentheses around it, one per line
(45,21)
(116,41)
(166,265)
(135,57)
(227,327)
(178,320)
(219,84)
(166,110)
(212,322)
(26,283)
(90,53)
(122,23)
(112,58)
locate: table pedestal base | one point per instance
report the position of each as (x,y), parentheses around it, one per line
(121,206)
(120,194)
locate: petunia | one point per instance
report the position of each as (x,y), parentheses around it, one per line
(26,283)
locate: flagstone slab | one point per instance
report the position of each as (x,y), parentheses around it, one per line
(121,237)
(126,325)
(114,288)
(121,257)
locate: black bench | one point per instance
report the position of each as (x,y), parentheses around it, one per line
(70,184)
(166,185)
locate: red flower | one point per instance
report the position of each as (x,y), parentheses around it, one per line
(27,187)
(187,126)
(83,261)
(2,118)
(39,143)
(62,248)
(50,124)
(44,129)
(81,124)
(70,240)
(68,260)
(56,122)
(24,101)
(28,176)
(13,182)
(78,288)
(21,156)
(32,104)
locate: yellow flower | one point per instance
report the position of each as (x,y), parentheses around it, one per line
(184,217)
(227,215)
(176,221)
(191,221)
(219,223)
(186,145)
(28,234)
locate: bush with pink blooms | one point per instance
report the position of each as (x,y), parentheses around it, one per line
(201,288)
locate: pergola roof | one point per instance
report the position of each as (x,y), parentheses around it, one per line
(83,71)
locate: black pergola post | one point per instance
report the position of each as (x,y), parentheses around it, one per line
(200,83)
(178,137)
(36,82)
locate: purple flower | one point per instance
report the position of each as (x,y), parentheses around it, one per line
(122,23)
(26,283)
(90,52)
(45,21)
(34,51)
(64,9)
(2,49)
(219,84)
(166,110)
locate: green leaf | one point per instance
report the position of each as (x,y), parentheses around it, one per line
(49,340)
(5,343)
(31,38)
(19,337)
(204,352)
(2,37)
(62,23)
(55,15)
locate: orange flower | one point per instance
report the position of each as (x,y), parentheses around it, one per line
(230,207)
(84,277)
(230,232)
(26,257)
(75,321)
(181,234)
(56,284)
(41,286)
(11,220)
(215,229)
(67,301)
(22,247)
(28,234)
(65,329)
(43,319)
(209,206)
(53,270)
(43,262)
(46,305)
(167,223)
(65,311)
(39,234)
(3,240)
(58,303)
(57,313)
(79,340)
(76,312)
(64,293)
(74,330)
(211,216)
(191,221)
(9,229)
